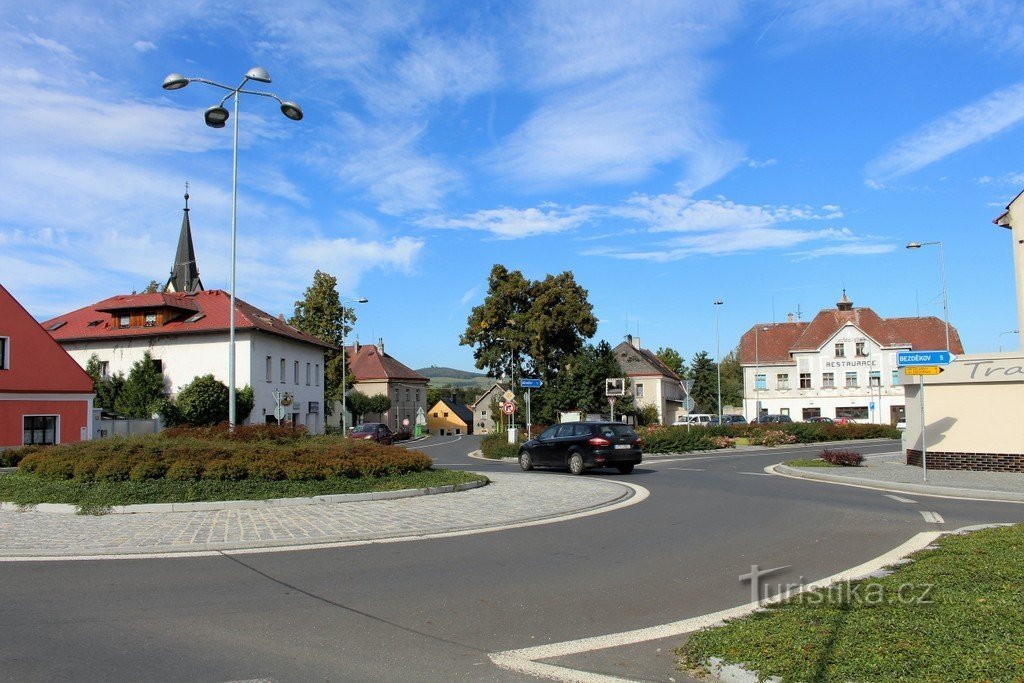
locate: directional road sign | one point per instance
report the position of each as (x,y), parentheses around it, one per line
(508,408)
(923,370)
(530,383)
(911,358)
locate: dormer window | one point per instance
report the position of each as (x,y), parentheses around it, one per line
(124,321)
(150,320)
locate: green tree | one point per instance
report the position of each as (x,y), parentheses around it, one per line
(203,401)
(107,389)
(321,314)
(143,388)
(380,404)
(704,374)
(359,404)
(466,395)
(672,359)
(152,288)
(531,325)
(581,385)
(732,379)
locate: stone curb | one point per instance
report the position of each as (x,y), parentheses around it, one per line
(925,489)
(479,455)
(212,506)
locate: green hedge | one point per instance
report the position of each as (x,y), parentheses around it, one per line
(676,439)
(811,432)
(261,453)
(496,446)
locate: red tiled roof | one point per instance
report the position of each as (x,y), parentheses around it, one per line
(369,363)
(207,311)
(777,341)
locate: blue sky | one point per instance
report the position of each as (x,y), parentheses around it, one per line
(766,154)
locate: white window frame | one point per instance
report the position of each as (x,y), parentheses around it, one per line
(828,380)
(852,375)
(782,381)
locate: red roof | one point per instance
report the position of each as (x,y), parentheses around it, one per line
(368,363)
(37,363)
(201,312)
(776,342)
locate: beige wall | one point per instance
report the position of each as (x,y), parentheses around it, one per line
(1016,211)
(975,406)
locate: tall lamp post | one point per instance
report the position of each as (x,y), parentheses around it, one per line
(1001,338)
(942,266)
(216,117)
(757,371)
(512,385)
(344,368)
(718,360)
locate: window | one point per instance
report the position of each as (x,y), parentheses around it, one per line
(895,378)
(840,350)
(282,370)
(639,390)
(396,395)
(124,321)
(483,413)
(296,372)
(104,369)
(417,395)
(808,413)
(760,382)
(309,366)
(805,380)
(862,350)
(783,411)
(875,378)
(316,374)
(446,414)
(270,368)
(407,394)
(782,381)
(5,345)
(828,380)
(852,412)
(150,320)
(435,414)
(158,364)
(851,380)
(40,429)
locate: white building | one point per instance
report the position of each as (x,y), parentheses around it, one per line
(842,364)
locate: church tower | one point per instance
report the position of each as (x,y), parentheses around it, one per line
(185,273)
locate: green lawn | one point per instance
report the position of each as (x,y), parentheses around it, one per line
(95,497)
(970,627)
(809,462)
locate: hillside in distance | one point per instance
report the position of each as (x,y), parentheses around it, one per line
(441,376)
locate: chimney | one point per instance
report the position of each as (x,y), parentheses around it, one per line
(635,342)
(380,345)
(280,316)
(789,317)
(355,347)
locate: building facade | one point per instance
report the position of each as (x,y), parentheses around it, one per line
(841,365)
(653,382)
(484,419)
(377,373)
(449,417)
(45,397)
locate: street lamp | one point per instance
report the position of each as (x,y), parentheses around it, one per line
(1001,338)
(942,266)
(344,368)
(757,371)
(718,361)
(216,117)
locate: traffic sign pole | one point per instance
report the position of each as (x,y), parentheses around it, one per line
(924,447)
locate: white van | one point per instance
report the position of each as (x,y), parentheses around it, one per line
(693,420)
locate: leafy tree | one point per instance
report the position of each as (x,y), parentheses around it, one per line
(466,395)
(672,359)
(359,404)
(321,314)
(107,389)
(143,388)
(204,401)
(152,288)
(380,404)
(703,372)
(647,415)
(732,379)
(497,417)
(581,385)
(536,325)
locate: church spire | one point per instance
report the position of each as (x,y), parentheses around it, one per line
(185,273)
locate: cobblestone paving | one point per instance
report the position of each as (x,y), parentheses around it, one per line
(510,498)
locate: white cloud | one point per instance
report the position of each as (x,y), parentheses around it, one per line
(350,259)
(508,223)
(678,213)
(754,163)
(966,126)
(143,46)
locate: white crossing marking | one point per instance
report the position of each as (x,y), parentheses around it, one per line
(686,469)
(900,499)
(932,517)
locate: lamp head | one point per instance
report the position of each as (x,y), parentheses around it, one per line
(291,110)
(216,117)
(362,300)
(258,73)
(175,82)
(718,302)
(914,245)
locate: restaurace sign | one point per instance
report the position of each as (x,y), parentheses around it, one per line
(863,363)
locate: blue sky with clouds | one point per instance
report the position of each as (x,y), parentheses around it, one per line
(767,154)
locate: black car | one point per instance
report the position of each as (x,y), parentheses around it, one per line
(728,420)
(819,418)
(773,419)
(583,445)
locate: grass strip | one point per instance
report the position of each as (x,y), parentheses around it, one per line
(97,497)
(967,627)
(809,462)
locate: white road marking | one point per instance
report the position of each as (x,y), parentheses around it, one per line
(932,517)
(756,474)
(434,445)
(900,499)
(640,494)
(526,660)
(686,469)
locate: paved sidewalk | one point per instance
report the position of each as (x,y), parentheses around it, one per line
(511,498)
(889,471)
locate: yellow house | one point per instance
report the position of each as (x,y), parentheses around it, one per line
(449,418)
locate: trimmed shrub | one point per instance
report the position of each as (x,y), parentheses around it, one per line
(184,470)
(771,437)
(148,469)
(676,439)
(842,458)
(496,446)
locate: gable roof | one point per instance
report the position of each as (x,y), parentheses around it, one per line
(641,362)
(207,311)
(460,409)
(776,342)
(37,362)
(488,393)
(369,362)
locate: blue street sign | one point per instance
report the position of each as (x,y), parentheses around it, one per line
(906,359)
(530,383)
(871,405)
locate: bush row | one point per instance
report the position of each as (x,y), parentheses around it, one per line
(842,458)
(810,432)
(186,456)
(679,439)
(496,446)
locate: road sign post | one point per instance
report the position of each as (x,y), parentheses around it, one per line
(529,383)
(921,364)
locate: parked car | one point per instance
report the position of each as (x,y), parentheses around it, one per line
(774,419)
(820,418)
(728,420)
(693,419)
(374,431)
(580,446)
(845,421)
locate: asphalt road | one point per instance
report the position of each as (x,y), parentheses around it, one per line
(434,610)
